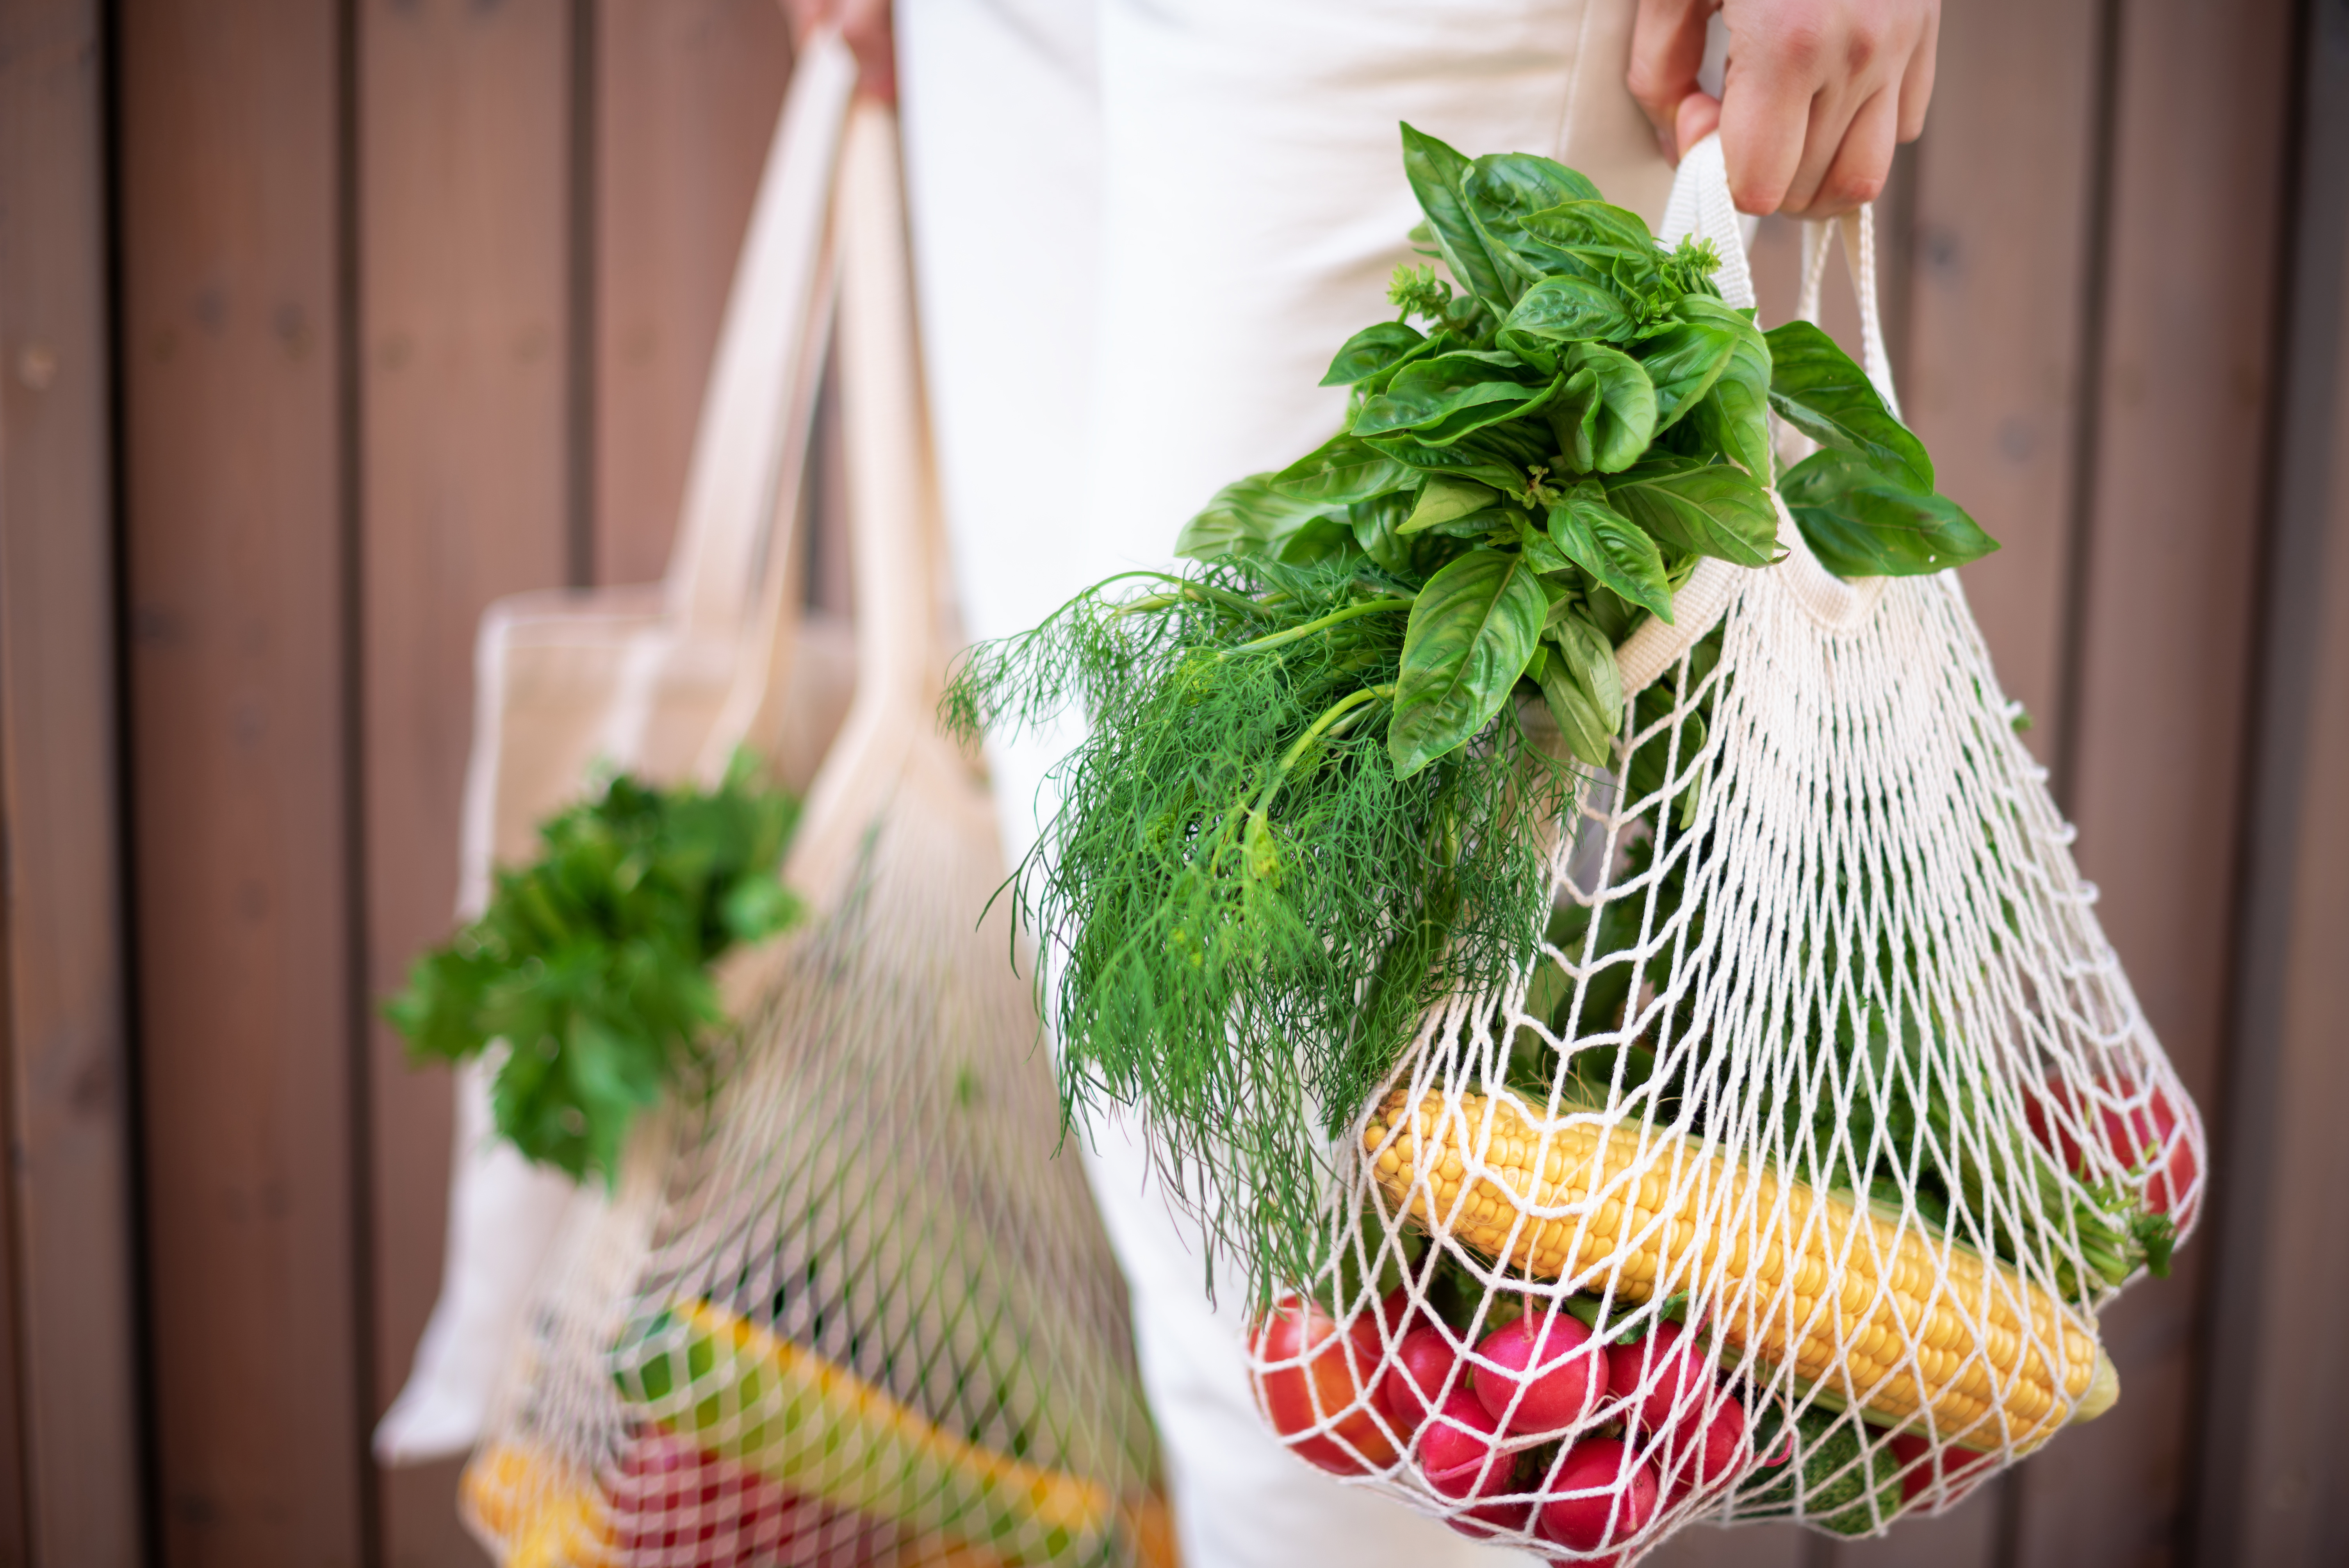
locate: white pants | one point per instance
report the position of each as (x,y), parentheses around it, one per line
(1142,229)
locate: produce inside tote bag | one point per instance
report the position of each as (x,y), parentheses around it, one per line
(1564,889)
(571,686)
(850,1305)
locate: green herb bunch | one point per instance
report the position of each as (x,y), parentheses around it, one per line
(1304,811)
(592,963)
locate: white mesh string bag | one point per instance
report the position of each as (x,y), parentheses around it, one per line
(1782,1182)
(846,1306)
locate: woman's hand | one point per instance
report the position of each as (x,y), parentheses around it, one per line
(864,27)
(1816,94)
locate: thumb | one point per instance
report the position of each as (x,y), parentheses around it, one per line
(1667,49)
(1698,116)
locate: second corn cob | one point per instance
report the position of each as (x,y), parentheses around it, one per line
(1561,1200)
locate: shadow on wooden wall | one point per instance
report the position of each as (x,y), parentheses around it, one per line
(409,304)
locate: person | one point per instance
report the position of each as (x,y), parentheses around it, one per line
(1141,228)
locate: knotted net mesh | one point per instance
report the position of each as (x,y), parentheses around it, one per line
(1785,1178)
(848,1308)
(1824,1089)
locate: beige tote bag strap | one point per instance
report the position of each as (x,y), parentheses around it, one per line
(751,444)
(892,515)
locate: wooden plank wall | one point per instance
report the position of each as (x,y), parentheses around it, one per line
(69,1449)
(410,304)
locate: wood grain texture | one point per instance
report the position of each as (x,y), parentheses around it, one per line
(234,529)
(2157,742)
(2001,234)
(464,236)
(70,1459)
(2275,1371)
(2289,1478)
(688,94)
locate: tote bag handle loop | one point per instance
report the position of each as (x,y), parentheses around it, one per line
(749,445)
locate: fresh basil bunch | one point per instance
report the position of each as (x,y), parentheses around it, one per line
(1546,462)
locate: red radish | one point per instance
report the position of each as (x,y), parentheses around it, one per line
(2125,1135)
(1541,1377)
(1600,1495)
(1917,1479)
(1398,1314)
(1705,1450)
(1322,1382)
(1415,1377)
(1458,1453)
(1668,1372)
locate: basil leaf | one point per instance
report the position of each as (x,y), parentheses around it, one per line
(1500,188)
(1605,414)
(1734,417)
(1584,690)
(1702,508)
(1473,628)
(1443,499)
(1468,461)
(1437,391)
(1592,228)
(1338,471)
(1818,389)
(1684,360)
(1860,522)
(1436,172)
(1562,310)
(1372,350)
(1378,527)
(1249,517)
(1539,549)
(1618,555)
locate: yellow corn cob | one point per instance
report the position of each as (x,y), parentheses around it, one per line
(1787,1315)
(543,1515)
(786,1413)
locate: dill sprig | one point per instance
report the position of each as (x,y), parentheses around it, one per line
(1246,910)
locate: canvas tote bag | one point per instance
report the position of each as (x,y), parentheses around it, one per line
(570,683)
(853,1305)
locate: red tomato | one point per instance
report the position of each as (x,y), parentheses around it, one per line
(675,1506)
(1315,1381)
(2125,1137)
(1907,1447)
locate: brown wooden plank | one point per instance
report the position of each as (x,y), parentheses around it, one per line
(2000,238)
(69,1488)
(235,514)
(688,94)
(2276,1370)
(465,256)
(2275,1459)
(2163,633)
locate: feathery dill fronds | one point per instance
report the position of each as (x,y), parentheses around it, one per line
(1247,911)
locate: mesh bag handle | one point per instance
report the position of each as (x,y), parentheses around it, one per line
(1700,208)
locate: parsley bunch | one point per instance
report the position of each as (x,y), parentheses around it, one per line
(592,963)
